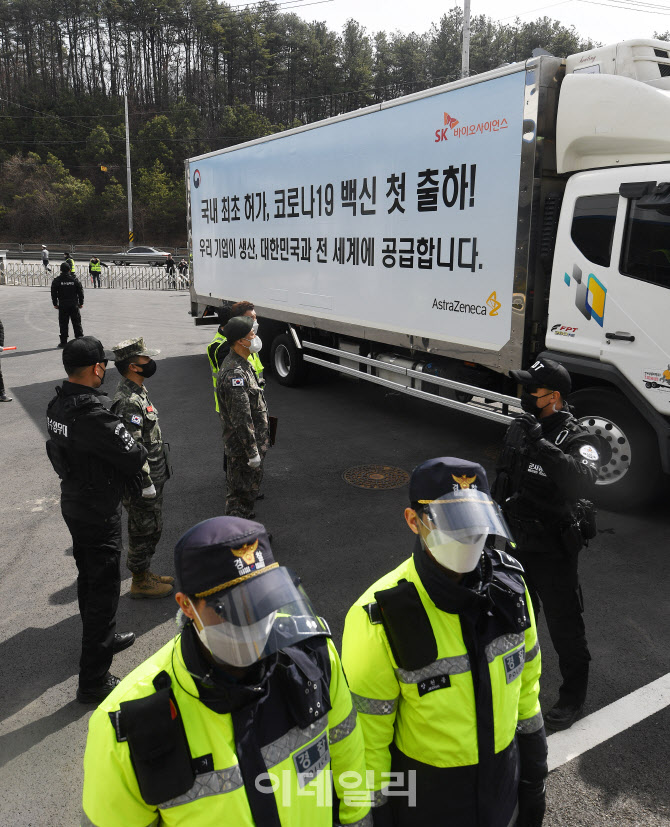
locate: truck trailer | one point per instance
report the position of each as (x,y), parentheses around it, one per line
(432,243)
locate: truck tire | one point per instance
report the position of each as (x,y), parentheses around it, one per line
(287,362)
(632,471)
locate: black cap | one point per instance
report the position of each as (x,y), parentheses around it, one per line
(65,268)
(66,255)
(237,328)
(545,373)
(435,477)
(220,553)
(85,351)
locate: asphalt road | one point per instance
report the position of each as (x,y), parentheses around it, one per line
(338,537)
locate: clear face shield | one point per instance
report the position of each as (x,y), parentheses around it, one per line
(454,528)
(257,618)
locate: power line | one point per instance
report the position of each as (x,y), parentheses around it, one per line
(631,5)
(532,11)
(279,6)
(37,111)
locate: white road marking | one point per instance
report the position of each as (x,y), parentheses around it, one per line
(612,720)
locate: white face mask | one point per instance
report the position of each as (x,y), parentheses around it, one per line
(255,345)
(453,555)
(254,327)
(236,645)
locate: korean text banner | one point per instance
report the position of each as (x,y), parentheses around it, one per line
(402,219)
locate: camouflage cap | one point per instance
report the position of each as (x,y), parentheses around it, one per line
(132,347)
(237,328)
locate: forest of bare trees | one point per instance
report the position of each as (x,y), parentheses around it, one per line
(199,75)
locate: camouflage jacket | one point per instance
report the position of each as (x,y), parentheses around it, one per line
(242,408)
(131,403)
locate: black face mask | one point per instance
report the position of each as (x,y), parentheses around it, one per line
(529,402)
(102,378)
(148,369)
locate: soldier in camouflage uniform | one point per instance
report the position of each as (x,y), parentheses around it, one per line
(244,416)
(145,513)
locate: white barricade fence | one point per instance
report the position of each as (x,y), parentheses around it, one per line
(123,277)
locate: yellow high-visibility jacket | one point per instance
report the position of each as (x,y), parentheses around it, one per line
(455,720)
(333,743)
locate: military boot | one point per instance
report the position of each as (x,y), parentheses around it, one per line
(144,585)
(161,578)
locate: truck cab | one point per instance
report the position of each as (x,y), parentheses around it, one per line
(610,282)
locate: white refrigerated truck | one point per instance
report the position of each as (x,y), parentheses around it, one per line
(434,242)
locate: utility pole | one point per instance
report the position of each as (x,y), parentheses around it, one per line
(129,186)
(465,63)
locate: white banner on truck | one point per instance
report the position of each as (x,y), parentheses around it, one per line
(401,219)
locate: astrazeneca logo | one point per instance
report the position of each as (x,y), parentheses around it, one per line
(196,178)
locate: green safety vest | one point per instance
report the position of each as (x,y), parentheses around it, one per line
(70,261)
(215,363)
(112,798)
(435,723)
(96,267)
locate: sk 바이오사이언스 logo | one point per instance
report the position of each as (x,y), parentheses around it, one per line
(449,123)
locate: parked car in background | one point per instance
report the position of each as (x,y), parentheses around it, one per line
(141,255)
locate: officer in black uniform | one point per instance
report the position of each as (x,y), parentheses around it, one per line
(547,464)
(3,395)
(67,296)
(95,457)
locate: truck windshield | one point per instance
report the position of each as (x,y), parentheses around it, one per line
(646,247)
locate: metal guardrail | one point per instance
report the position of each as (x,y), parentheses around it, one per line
(125,277)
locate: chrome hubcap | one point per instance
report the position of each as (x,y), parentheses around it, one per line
(617,441)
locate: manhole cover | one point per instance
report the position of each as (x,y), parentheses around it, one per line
(376,476)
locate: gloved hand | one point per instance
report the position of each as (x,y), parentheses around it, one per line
(531,426)
(531,804)
(149,492)
(255,461)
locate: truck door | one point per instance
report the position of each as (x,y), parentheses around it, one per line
(610,291)
(644,279)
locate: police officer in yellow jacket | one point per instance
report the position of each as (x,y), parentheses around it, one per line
(244,718)
(443,663)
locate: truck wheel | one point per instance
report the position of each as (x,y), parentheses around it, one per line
(631,470)
(287,362)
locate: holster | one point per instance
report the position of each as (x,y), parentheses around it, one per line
(156,737)
(168,460)
(272,422)
(407,626)
(587,519)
